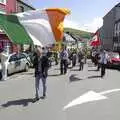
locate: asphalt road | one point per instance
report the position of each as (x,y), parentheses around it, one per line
(98,98)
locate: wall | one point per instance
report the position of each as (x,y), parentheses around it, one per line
(11,6)
(108,29)
(116,40)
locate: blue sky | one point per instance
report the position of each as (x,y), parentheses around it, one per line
(85,14)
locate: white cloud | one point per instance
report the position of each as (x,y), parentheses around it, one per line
(95,24)
(71,24)
(91,26)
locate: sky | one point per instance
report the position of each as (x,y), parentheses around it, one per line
(85,14)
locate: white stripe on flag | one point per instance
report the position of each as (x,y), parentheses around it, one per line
(37,25)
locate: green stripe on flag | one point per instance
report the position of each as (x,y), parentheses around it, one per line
(14,29)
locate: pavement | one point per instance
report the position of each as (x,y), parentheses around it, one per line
(74,96)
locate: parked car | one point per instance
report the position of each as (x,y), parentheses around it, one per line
(114,60)
(16,63)
(29,58)
(0,72)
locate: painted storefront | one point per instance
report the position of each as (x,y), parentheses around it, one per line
(7,7)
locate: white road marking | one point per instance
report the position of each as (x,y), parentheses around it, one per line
(109,91)
(89,97)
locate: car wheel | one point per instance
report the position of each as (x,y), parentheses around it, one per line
(26,68)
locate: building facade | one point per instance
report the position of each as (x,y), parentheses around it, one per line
(110,30)
(14,6)
(116,37)
(7,7)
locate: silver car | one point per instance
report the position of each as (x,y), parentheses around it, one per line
(16,63)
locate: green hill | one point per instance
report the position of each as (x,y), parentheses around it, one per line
(82,34)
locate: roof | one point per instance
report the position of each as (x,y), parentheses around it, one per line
(27,2)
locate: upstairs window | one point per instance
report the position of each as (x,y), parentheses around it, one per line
(3,1)
(21,8)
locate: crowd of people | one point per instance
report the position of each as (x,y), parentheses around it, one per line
(42,62)
(66,57)
(71,56)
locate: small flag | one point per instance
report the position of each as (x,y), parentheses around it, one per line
(96,39)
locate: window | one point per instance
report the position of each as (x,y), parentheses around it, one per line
(115,27)
(115,30)
(21,56)
(21,8)
(3,12)
(13,58)
(118,27)
(3,1)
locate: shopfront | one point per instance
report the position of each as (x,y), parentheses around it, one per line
(5,43)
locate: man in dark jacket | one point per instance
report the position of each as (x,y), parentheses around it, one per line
(80,60)
(41,72)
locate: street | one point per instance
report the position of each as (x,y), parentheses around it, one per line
(97,98)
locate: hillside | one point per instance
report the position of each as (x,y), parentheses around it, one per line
(82,34)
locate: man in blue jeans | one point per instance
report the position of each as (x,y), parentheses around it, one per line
(41,71)
(64,61)
(103,62)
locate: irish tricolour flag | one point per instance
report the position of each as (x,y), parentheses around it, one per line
(40,27)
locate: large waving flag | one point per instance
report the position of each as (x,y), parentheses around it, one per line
(39,27)
(96,39)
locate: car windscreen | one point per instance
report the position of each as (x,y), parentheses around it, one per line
(21,56)
(13,58)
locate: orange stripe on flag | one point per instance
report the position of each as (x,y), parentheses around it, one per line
(56,18)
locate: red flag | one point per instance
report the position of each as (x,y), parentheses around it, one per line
(96,39)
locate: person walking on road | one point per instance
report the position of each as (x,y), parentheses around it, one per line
(4,56)
(74,58)
(64,61)
(98,63)
(80,60)
(41,69)
(103,62)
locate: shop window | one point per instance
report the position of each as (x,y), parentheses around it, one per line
(118,26)
(3,1)
(115,27)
